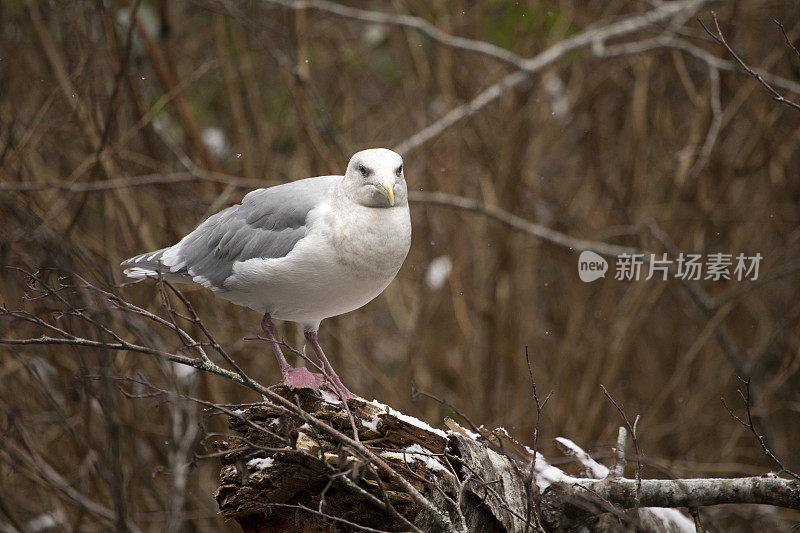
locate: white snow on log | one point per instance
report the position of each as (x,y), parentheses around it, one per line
(599,471)
(415,452)
(670,520)
(465,431)
(261,463)
(329,396)
(663,519)
(547,474)
(372,423)
(408,419)
(654,518)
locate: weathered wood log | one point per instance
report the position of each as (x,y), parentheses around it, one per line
(267,493)
(485,482)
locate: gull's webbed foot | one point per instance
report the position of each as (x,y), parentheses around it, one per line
(302,378)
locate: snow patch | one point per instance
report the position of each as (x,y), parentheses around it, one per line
(469,433)
(261,463)
(328,396)
(415,452)
(372,423)
(670,519)
(408,419)
(598,470)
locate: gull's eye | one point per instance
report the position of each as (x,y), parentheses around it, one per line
(364,171)
(399,170)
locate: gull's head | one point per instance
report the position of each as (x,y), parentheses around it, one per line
(374,178)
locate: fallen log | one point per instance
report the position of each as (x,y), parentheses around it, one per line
(480,480)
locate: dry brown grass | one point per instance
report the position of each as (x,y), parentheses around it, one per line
(295,94)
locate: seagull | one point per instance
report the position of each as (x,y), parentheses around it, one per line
(301,251)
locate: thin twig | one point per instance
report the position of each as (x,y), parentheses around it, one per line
(632,430)
(750,425)
(529,507)
(720,38)
(786,38)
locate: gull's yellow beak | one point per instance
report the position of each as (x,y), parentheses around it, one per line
(389,190)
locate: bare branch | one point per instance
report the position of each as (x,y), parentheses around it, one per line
(786,38)
(720,38)
(770,490)
(407,21)
(530,512)
(240,377)
(668,40)
(750,425)
(326,516)
(592,37)
(518,223)
(619,471)
(35,463)
(620,461)
(195,174)
(705,302)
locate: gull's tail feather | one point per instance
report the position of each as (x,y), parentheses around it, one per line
(146,266)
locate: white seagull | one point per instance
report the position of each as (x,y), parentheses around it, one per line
(302,251)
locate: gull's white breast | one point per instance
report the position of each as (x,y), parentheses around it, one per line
(348,258)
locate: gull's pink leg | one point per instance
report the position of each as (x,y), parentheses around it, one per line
(297,378)
(311,337)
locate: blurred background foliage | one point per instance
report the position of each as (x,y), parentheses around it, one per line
(633,150)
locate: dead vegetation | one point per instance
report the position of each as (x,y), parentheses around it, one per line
(117,138)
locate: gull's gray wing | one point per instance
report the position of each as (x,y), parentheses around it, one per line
(267,224)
